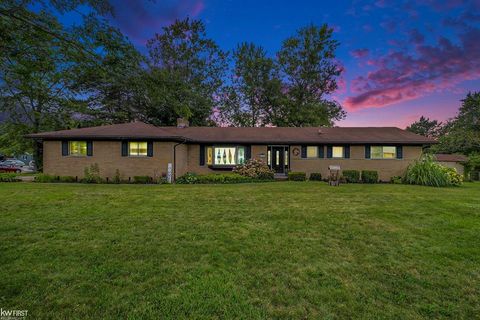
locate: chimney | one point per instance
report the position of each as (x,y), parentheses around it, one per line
(182,123)
(320,131)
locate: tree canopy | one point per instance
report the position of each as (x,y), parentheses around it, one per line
(55,76)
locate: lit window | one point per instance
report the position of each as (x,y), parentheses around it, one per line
(383,152)
(286,157)
(137,148)
(228,156)
(209,156)
(77,148)
(337,152)
(269,157)
(312,152)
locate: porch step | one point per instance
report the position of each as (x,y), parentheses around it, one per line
(280,176)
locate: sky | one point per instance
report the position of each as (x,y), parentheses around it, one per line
(402,59)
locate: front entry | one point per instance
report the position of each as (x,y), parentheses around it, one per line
(278,158)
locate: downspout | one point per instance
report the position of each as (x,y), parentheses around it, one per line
(175,158)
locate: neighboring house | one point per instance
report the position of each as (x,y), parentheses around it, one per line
(456,161)
(137,149)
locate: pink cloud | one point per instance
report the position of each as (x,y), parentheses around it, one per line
(400,76)
(359,53)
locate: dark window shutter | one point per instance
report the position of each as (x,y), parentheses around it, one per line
(202,155)
(304,152)
(89,148)
(321,152)
(124,148)
(399,152)
(367,152)
(150,149)
(248,152)
(64,148)
(329,152)
(346,152)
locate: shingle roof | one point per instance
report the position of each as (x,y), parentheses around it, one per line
(271,135)
(442,157)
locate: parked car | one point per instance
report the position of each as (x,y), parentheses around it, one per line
(12,162)
(10,168)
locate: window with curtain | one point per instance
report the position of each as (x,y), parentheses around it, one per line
(77,148)
(383,152)
(137,148)
(228,156)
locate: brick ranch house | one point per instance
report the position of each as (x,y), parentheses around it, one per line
(139,149)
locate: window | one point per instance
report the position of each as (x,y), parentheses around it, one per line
(137,148)
(312,151)
(337,152)
(209,156)
(383,152)
(77,148)
(228,156)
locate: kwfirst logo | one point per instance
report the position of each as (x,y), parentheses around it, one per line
(6,314)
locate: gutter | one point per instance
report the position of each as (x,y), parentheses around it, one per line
(175,158)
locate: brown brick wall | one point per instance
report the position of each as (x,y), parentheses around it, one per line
(108,156)
(386,168)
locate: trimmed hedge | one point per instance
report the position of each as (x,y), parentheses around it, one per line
(369,176)
(9,177)
(297,176)
(192,178)
(67,179)
(396,180)
(315,176)
(351,176)
(142,179)
(45,178)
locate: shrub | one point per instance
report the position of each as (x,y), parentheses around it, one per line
(427,172)
(256,169)
(142,179)
(396,180)
(351,176)
(92,174)
(68,179)
(297,176)
(9,177)
(224,178)
(117,178)
(187,178)
(454,178)
(369,176)
(315,176)
(45,178)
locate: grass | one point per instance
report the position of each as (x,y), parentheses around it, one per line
(286,250)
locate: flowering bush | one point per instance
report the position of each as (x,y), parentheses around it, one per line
(454,178)
(427,172)
(255,169)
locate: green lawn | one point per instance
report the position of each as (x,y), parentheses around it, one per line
(269,250)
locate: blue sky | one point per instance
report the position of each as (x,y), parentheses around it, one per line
(402,59)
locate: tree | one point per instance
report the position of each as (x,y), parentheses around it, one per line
(308,66)
(113,81)
(426,127)
(52,77)
(190,66)
(255,88)
(463,132)
(36,71)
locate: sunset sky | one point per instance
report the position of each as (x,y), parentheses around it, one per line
(402,59)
